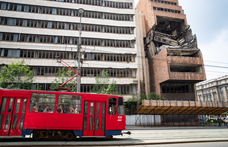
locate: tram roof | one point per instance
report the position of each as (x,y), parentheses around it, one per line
(53,92)
(159,107)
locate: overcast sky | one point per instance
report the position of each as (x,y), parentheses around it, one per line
(209,21)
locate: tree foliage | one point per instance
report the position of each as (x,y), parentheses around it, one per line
(16,75)
(143,96)
(61,77)
(103,84)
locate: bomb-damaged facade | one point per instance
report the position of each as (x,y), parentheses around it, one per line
(173,62)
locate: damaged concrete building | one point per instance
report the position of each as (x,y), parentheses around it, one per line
(171,61)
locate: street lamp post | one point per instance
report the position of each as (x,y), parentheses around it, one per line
(80,11)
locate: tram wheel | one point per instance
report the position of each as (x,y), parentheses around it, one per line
(69,135)
(37,136)
(110,137)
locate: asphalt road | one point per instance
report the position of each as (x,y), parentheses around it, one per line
(210,144)
(142,136)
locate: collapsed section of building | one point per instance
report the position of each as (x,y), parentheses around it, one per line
(173,62)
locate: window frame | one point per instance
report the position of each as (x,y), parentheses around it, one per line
(37,102)
(115,107)
(77,107)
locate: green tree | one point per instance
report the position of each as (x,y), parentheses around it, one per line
(130,105)
(16,75)
(61,77)
(103,84)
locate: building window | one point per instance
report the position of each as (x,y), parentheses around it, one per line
(1,36)
(19,7)
(49,25)
(26,8)
(68,40)
(68,12)
(13,53)
(54,11)
(4,6)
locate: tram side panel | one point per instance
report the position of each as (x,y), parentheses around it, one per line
(12,111)
(53,120)
(116,119)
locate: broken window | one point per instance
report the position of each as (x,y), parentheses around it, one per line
(186,68)
(173,33)
(177,87)
(183,52)
(164,2)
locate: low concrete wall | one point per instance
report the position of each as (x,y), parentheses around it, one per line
(144,119)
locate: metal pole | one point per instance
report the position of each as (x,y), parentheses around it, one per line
(79,57)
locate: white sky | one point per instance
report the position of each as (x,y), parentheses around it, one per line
(208,20)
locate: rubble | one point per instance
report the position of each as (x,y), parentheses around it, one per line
(172,33)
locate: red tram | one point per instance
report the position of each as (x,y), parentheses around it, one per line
(60,114)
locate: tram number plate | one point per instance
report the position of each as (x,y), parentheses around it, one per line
(119,118)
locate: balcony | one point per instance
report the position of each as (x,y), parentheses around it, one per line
(187,76)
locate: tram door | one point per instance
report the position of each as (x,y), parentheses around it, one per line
(94,118)
(12,112)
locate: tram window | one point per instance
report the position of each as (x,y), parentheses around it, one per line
(120,106)
(10,105)
(7,122)
(98,108)
(84,123)
(91,108)
(17,105)
(91,123)
(3,104)
(69,104)
(103,124)
(21,121)
(44,100)
(112,106)
(1,119)
(97,124)
(85,108)
(24,105)
(103,108)
(15,121)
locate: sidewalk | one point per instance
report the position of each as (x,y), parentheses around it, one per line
(134,127)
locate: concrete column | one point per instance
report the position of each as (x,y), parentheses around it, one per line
(142,63)
(218,93)
(212,96)
(225,93)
